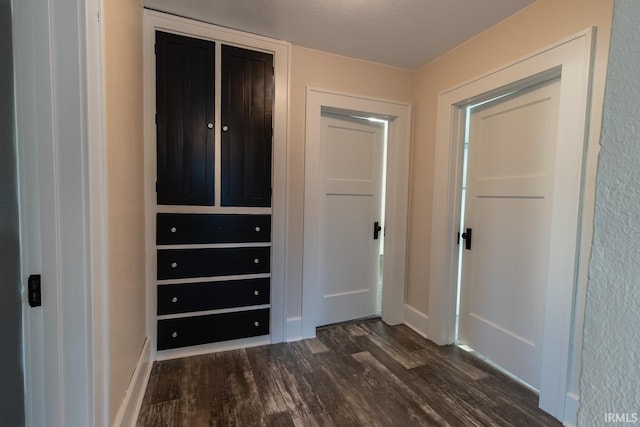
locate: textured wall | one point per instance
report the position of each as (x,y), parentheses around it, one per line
(11,387)
(610,381)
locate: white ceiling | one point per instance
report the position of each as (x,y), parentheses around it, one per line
(403,33)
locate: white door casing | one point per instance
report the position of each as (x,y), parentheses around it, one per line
(396,197)
(503,286)
(351,159)
(62,185)
(571,59)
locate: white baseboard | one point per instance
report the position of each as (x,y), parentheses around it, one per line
(215,347)
(416,320)
(571,405)
(293,329)
(130,407)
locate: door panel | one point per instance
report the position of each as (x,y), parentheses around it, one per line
(185,110)
(351,153)
(509,183)
(247,109)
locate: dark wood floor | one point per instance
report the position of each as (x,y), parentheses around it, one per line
(364,374)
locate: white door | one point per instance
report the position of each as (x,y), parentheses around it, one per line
(509,182)
(351,162)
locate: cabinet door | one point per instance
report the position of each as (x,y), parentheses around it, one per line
(247,107)
(185,116)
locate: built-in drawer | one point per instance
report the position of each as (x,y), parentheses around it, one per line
(212,295)
(175,229)
(188,263)
(186,331)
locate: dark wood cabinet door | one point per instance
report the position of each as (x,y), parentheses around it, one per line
(184,120)
(247,108)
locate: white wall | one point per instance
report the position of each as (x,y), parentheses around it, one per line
(610,381)
(124,148)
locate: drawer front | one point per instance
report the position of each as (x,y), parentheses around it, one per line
(173,333)
(212,295)
(175,229)
(189,263)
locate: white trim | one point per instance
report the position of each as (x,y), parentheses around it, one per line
(397,196)
(197,350)
(416,320)
(58,86)
(281,50)
(98,194)
(571,405)
(130,407)
(573,57)
(210,312)
(294,329)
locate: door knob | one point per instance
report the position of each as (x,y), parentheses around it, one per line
(467,238)
(376,230)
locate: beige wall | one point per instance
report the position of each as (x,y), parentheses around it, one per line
(123,80)
(539,25)
(341,74)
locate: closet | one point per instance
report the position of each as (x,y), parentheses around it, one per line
(213,218)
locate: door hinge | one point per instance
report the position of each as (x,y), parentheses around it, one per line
(34,290)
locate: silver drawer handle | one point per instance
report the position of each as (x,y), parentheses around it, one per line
(210,125)
(174,299)
(256,261)
(174,264)
(256,323)
(174,334)
(225,128)
(256,293)
(257,228)
(173,229)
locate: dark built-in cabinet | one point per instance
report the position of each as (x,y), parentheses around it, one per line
(213,265)
(185,99)
(246,127)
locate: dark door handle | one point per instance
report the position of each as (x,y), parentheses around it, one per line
(376,230)
(467,238)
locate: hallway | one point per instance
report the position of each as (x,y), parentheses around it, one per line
(361,374)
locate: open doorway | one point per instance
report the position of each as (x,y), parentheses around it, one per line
(570,60)
(396,175)
(509,155)
(351,216)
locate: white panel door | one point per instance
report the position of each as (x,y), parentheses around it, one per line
(509,182)
(349,257)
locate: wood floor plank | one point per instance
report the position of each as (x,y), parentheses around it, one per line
(357,374)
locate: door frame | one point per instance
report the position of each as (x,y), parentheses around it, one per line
(58,71)
(396,191)
(571,59)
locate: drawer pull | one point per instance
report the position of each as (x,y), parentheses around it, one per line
(174,299)
(256,293)
(174,334)
(174,264)
(173,229)
(256,323)
(257,228)
(256,261)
